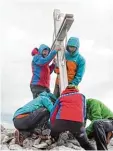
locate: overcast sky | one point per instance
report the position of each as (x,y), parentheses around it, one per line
(26,24)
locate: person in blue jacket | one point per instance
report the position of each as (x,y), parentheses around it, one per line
(75,63)
(41,69)
(34,114)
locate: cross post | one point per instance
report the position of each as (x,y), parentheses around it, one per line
(61,27)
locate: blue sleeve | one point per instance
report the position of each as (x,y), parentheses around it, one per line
(39,60)
(54,111)
(47,103)
(84,106)
(80,72)
(55,107)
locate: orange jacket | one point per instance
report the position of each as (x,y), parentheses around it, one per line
(71,71)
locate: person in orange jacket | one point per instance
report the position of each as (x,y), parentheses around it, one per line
(75,65)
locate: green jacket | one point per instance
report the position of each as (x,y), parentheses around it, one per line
(96,110)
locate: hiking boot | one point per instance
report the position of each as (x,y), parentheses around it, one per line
(19,138)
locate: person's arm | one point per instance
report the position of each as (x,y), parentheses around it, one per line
(47,103)
(80,73)
(84,106)
(94,114)
(54,111)
(52,67)
(39,60)
(56,70)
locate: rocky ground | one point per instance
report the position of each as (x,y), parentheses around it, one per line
(65,142)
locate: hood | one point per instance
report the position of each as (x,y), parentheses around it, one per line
(34,52)
(73,41)
(69,90)
(42,47)
(48,95)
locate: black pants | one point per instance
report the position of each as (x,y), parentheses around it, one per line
(56,91)
(37,89)
(36,119)
(76,128)
(101,128)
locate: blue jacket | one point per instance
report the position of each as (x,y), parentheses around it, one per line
(40,67)
(75,62)
(43,100)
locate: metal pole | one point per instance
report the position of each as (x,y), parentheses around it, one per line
(61,63)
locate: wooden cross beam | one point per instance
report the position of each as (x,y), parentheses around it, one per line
(61,27)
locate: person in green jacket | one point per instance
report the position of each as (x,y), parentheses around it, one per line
(34,114)
(101,126)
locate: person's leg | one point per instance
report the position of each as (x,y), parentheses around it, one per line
(58,127)
(56,91)
(37,89)
(47,90)
(34,91)
(40,89)
(101,127)
(22,132)
(26,125)
(38,117)
(84,142)
(43,123)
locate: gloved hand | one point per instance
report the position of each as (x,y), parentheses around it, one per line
(109,136)
(71,86)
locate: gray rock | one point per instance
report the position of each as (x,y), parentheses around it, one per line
(37,141)
(111,142)
(2,137)
(32,148)
(15,147)
(2,128)
(10,134)
(27,143)
(110,146)
(52,146)
(60,142)
(38,131)
(49,141)
(4,147)
(74,142)
(5,139)
(41,146)
(46,132)
(70,135)
(63,137)
(62,148)
(71,145)
(65,142)
(12,142)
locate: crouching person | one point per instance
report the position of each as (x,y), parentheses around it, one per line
(68,114)
(34,114)
(101,127)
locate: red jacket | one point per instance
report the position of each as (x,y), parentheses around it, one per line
(70,106)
